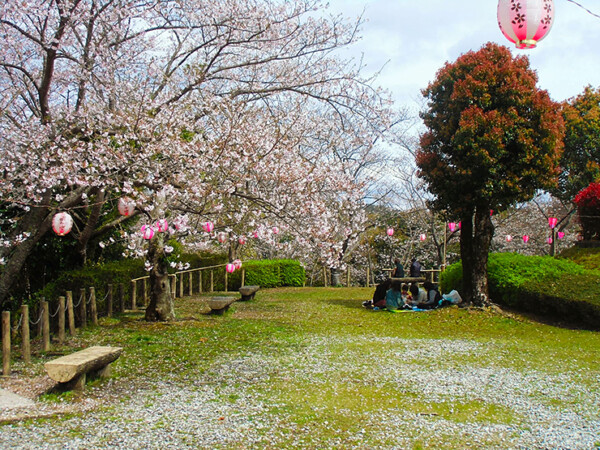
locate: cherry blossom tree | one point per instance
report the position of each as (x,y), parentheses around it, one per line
(222,111)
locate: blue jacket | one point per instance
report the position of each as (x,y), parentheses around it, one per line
(393,299)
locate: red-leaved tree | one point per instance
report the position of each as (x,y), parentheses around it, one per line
(588,210)
(493,138)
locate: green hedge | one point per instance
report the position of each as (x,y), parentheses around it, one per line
(548,286)
(271,273)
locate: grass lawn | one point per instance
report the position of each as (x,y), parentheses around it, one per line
(309,367)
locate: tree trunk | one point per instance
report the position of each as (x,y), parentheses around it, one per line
(160,307)
(475,243)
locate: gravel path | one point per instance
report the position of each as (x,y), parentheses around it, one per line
(232,406)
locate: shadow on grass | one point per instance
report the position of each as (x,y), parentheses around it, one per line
(353,303)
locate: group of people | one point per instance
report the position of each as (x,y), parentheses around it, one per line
(414,271)
(393,295)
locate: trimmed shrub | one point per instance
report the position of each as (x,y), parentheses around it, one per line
(271,273)
(548,286)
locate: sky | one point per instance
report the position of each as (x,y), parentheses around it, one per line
(410,40)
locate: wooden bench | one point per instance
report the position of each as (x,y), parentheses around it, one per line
(218,305)
(71,370)
(248,292)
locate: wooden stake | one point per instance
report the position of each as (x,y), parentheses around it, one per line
(93,307)
(71,313)
(133,293)
(109,301)
(25,339)
(61,320)
(45,327)
(83,307)
(6,343)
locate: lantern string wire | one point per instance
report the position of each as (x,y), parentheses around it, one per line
(584,8)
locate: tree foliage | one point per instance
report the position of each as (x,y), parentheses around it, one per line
(588,210)
(580,162)
(493,138)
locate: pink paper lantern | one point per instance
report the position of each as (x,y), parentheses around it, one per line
(549,240)
(452,226)
(222,237)
(147,232)
(525,22)
(208,227)
(423,237)
(459,225)
(508,238)
(552,221)
(230,268)
(126,206)
(390,231)
(242,240)
(238,264)
(162,225)
(491,212)
(275,230)
(525,238)
(560,234)
(255,235)
(62,223)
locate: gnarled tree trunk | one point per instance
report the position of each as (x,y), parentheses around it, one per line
(160,306)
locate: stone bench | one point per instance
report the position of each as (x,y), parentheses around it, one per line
(248,292)
(71,370)
(218,305)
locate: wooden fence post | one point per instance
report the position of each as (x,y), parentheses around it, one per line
(83,307)
(367,277)
(133,299)
(121,297)
(93,307)
(212,281)
(61,320)
(200,281)
(173,286)
(348,276)
(45,327)
(324,277)
(191,280)
(6,343)
(243,277)
(226,278)
(109,301)
(70,313)
(25,343)
(181,277)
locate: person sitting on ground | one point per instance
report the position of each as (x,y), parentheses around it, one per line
(406,297)
(393,297)
(433,296)
(379,295)
(419,295)
(399,270)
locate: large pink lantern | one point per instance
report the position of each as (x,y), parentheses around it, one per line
(126,206)
(222,237)
(208,227)
(508,238)
(390,231)
(525,22)
(147,232)
(62,223)
(525,238)
(230,268)
(237,263)
(560,234)
(422,237)
(552,221)
(452,226)
(549,240)
(242,240)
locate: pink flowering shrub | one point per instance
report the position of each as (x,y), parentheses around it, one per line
(588,210)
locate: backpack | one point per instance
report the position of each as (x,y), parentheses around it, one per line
(438,296)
